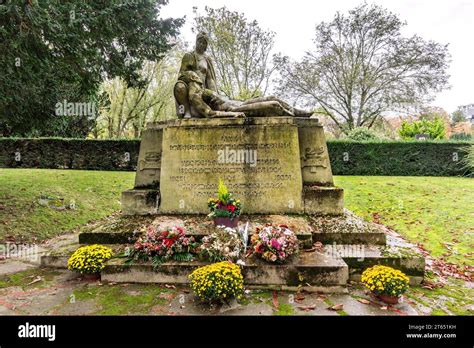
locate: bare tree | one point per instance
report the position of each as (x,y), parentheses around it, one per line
(362,66)
(126,110)
(241,52)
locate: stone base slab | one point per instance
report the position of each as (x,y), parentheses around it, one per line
(323,200)
(308,268)
(140,201)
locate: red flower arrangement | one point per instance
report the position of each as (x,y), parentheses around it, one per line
(161,246)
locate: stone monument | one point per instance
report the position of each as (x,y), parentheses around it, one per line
(270,155)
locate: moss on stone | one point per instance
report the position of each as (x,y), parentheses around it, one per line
(23,279)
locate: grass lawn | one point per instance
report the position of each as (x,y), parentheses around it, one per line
(95,194)
(436,212)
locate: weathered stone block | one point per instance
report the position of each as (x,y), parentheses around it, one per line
(258,159)
(140,201)
(149,158)
(315,164)
(322,200)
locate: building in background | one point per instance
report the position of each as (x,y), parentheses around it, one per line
(469,112)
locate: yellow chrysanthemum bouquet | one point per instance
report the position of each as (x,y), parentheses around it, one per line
(217,282)
(383,280)
(89,259)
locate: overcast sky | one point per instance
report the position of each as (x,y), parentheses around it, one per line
(445,21)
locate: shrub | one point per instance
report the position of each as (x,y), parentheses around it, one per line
(435,129)
(161,246)
(468,160)
(217,282)
(274,243)
(223,244)
(383,280)
(362,134)
(461,136)
(395,158)
(89,259)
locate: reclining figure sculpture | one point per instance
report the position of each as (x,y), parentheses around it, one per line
(196,92)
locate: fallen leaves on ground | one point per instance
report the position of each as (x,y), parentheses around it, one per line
(36,280)
(299,298)
(316,246)
(363,300)
(275,299)
(336,307)
(306,308)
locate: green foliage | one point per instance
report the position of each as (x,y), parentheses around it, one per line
(126,110)
(61,50)
(458,116)
(395,158)
(435,128)
(223,193)
(468,160)
(461,136)
(362,134)
(69,153)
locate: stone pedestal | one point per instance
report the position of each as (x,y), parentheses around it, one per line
(275,165)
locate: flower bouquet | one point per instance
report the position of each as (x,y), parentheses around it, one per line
(222,244)
(161,246)
(274,243)
(225,210)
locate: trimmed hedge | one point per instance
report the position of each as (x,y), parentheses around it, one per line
(61,153)
(417,158)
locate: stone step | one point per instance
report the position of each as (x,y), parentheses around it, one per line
(346,229)
(307,269)
(360,257)
(58,257)
(125,230)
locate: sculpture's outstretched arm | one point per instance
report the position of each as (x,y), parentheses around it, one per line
(292,110)
(263,108)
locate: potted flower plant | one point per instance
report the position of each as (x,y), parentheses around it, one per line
(217,282)
(386,283)
(225,210)
(89,260)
